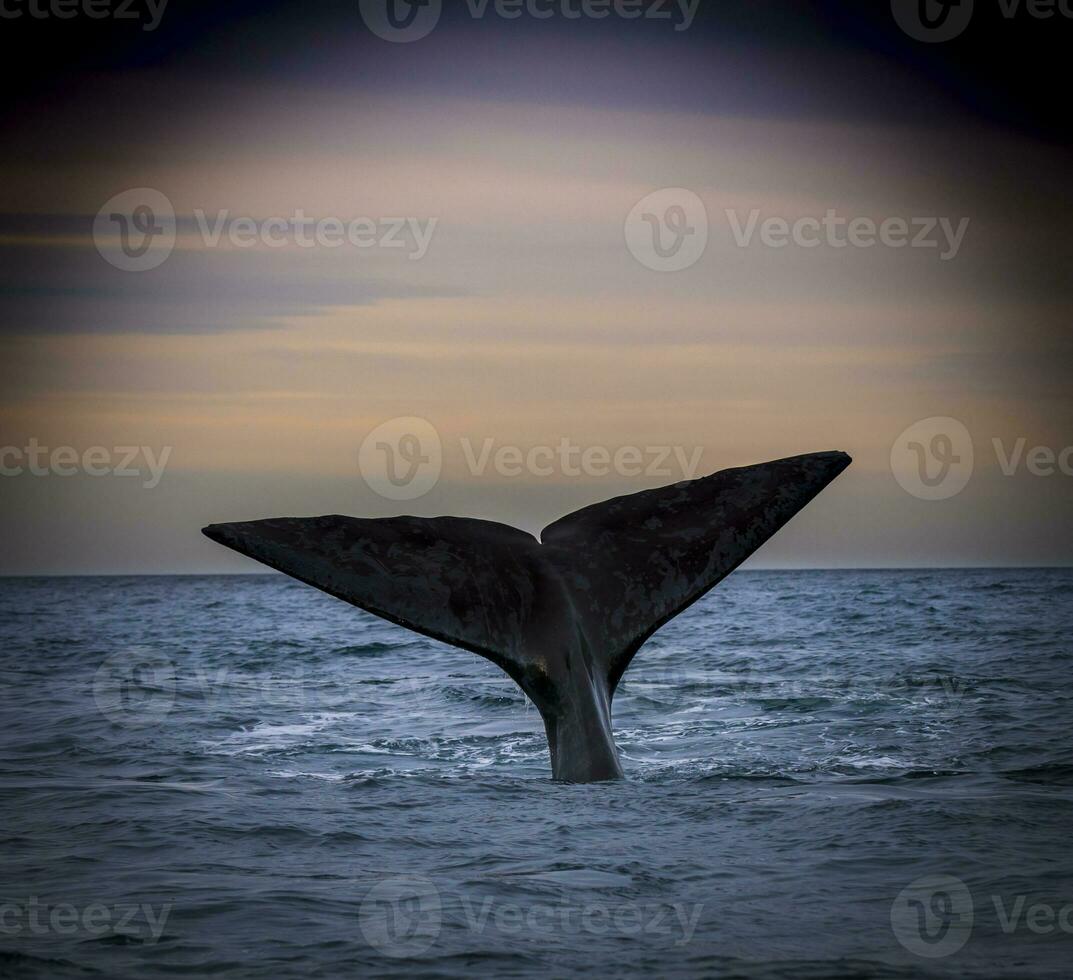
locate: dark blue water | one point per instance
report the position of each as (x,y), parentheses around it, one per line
(830,774)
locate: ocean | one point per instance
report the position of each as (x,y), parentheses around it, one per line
(829,774)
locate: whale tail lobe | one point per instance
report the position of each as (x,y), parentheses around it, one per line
(565,615)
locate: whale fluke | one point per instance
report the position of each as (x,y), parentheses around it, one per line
(565,615)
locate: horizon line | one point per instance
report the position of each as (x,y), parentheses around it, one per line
(808,568)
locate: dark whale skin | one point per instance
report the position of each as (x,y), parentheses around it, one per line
(565,615)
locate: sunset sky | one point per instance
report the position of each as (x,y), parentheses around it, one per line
(528,320)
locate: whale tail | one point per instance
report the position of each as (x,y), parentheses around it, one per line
(562,615)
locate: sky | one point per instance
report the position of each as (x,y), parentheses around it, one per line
(534,234)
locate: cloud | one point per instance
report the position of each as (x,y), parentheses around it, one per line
(69,288)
